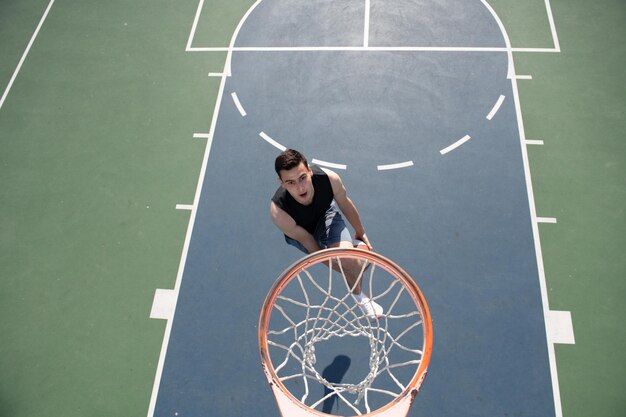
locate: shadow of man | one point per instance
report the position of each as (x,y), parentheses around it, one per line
(334,374)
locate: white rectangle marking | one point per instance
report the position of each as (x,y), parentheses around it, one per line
(218,74)
(534,142)
(163,304)
(495,108)
(395,166)
(524,77)
(560,328)
(329,164)
(238,104)
(184,207)
(272,141)
(455,144)
(550,220)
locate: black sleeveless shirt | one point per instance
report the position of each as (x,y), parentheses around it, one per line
(308,216)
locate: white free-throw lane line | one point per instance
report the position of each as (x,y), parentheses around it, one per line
(238,104)
(183,257)
(558,410)
(272,141)
(495,108)
(30,44)
(455,144)
(395,166)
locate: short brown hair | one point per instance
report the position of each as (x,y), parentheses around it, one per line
(289,159)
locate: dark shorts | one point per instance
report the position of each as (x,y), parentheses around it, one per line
(330,229)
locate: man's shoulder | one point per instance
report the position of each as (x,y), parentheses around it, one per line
(281,198)
(334,179)
(321,170)
(280,217)
(332,175)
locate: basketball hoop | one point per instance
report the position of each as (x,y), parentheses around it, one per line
(311,304)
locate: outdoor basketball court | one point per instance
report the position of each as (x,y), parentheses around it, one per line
(416,106)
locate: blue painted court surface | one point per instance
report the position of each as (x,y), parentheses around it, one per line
(428,145)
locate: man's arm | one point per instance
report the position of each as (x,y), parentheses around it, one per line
(347,207)
(288,226)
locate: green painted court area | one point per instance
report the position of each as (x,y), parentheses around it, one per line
(100,104)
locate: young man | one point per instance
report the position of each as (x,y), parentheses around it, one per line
(306,209)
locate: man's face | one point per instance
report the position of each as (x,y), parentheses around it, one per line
(297,181)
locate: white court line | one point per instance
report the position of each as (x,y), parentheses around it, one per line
(558,409)
(185,251)
(194,26)
(364,49)
(455,144)
(184,206)
(218,74)
(231,46)
(495,108)
(192,220)
(533,142)
(238,104)
(202,135)
(272,141)
(555,37)
(366,25)
(328,164)
(550,220)
(523,77)
(30,44)
(395,166)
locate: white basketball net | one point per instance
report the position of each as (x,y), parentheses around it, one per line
(336,315)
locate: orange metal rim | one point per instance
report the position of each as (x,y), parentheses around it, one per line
(380,261)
